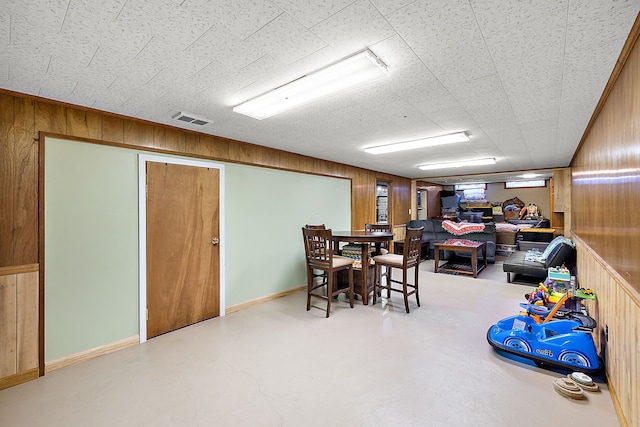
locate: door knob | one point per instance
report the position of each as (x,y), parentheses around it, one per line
(215,241)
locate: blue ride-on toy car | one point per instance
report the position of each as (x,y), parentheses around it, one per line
(559,343)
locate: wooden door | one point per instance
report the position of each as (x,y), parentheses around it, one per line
(183,265)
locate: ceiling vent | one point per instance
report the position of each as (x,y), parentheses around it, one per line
(191,118)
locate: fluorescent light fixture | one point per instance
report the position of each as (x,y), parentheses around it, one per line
(479,162)
(419,143)
(529,175)
(351,71)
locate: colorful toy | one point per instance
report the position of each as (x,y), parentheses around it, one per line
(558,336)
(559,343)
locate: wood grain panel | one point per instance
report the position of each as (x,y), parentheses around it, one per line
(241,152)
(25,234)
(174,140)
(27,321)
(218,147)
(363,197)
(50,118)
(112,128)
(606,177)
(616,310)
(81,123)
(8,337)
(7,180)
(24,115)
(138,133)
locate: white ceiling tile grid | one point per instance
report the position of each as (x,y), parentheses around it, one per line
(522,78)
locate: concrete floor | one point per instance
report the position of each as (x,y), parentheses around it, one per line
(276,364)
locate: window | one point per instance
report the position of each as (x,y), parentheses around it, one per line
(476,186)
(525,184)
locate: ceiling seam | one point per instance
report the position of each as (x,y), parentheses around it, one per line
(486,46)
(64,18)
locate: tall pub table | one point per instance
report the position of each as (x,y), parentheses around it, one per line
(365,238)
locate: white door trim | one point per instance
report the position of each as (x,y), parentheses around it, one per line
(142,228)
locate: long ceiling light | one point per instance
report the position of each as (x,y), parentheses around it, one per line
(479,162)
(419,143)
(351,71)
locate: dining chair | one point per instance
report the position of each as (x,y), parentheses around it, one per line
(318,227)
(387,228)
(318,246)
(410,258)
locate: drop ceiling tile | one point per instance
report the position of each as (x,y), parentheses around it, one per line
(395,53)
(389,6)
(415,82)
(435,105)
(358,26)
(5,29)
(541,104)
(86,17)
(446,36)
(285,39)
(505,20)
(311,13)
(238,18)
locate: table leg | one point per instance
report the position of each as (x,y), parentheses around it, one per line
(474,262)
(436,259)
(484,254)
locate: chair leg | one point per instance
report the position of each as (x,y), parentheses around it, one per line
(309,286)
(376,285)
(416,285)
(351,286)
(388,275)
(404,290)
(329,293)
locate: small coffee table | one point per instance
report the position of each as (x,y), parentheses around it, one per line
(461,245)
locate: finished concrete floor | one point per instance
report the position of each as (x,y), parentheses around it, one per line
(276,364)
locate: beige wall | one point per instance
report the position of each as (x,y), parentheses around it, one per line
(496,193)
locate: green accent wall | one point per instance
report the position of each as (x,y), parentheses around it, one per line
(91,238)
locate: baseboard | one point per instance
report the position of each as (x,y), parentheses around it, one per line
(260,300)
(20,378)
(90,354)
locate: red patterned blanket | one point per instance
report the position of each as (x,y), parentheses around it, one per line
(461,228)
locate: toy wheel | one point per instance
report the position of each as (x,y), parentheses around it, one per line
(518,344)
(574,358)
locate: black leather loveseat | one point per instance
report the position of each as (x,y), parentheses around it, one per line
(435,233)
(560,251)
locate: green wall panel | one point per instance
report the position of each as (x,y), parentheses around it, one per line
(91,238)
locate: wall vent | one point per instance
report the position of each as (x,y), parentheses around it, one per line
(191,118)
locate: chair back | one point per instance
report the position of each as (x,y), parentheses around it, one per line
(412,246)
(316,227)
(384,228)
(387,228)
(318,246)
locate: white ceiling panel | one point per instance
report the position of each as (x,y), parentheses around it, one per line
(521,78)
(355,27)
(285,39)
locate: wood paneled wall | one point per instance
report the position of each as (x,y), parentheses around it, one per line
(617,312)
(605,222)
(23,117)
(606,177)
(18,325)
